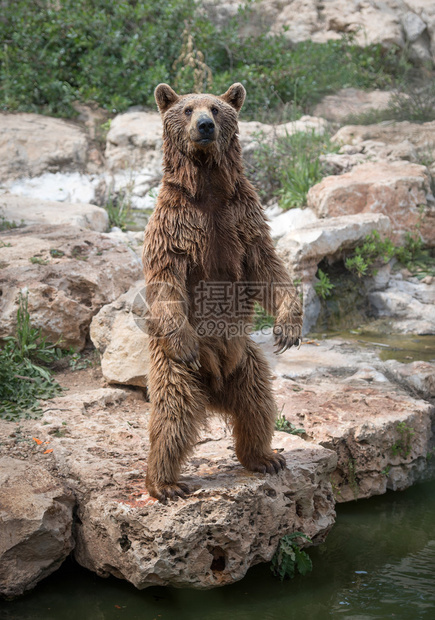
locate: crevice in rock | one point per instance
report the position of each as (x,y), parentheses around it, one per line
(219,560)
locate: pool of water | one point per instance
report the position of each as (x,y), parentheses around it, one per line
(378,562)
(405,348)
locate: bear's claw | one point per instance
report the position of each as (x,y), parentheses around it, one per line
(268,464)
(169,491)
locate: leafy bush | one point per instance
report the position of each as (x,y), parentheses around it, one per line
(24,374)
(290,559)
(324,286)
(114,53)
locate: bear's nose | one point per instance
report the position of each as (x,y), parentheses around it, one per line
(206,126)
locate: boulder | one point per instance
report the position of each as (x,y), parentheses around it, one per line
(24,211)
(31,144)
(118,333)
(69,273)
(417,377)
(232,520)
(339,395)
(408,304)
(290,220)
(351,101)
(66,187)
(304,248)
(36,515)
(399,190)
(391,135)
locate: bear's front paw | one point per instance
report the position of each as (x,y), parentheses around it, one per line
(163,492)
(267,464)
(286,336)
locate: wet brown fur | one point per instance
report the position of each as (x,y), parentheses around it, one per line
(209,226)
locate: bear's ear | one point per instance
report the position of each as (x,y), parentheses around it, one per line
(165,97)
(235,96)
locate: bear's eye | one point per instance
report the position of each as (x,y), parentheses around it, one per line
(188,111)
(214,111)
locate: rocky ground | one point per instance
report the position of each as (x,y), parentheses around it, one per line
(73,480)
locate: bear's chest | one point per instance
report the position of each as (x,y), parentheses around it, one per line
(219,249)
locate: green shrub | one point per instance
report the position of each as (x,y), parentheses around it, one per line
(115,53)
(24,374)
(288,166)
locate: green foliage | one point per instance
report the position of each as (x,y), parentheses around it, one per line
(403,446)
(288,166)
(24,374)
(115,53)
(119,211)
(289,559)
(78,362)
(324,286)
(373,250)
(282,424)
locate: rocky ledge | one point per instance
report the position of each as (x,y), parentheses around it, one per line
(95,444)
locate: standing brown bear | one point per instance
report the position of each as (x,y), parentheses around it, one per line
(208,256)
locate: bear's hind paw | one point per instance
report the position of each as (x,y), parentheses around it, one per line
(163,492)
(268,464)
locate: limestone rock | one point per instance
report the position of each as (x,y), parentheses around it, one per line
(66,187)
(31,144)
(399,190)
(351,101)
(304,248)
(69,273)
(35,525)
(232,520)
(409,303)
(390,134)
(290,220)
(418,377)
(340,394)
(23,210)
(117,331)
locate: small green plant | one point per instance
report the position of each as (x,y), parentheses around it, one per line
(78,362)
(386,471)
(372,252)
(324,286)
(6,224)
(289,559)
(25,377)
(56,253)
(119,211)
(3,244)
(403,446)
(282,424)
(37,260)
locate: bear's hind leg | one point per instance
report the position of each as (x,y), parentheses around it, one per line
(247,396)
(177,412)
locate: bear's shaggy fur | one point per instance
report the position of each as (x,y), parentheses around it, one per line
(208,241)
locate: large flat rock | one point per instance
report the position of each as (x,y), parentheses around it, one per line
(36,516)
(27,211)
(347,399)
(399,190)
(69,273)
(232,520)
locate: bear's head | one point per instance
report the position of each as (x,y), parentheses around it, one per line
(197,124)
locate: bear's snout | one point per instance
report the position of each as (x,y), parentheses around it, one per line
(205,126)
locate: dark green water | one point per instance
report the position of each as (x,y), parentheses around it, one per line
(378,562)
